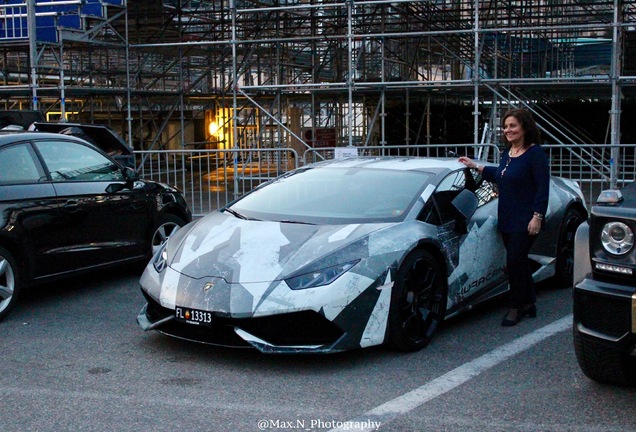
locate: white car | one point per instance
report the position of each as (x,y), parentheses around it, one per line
(345,254)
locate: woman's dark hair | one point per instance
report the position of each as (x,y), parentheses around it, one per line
(525,119)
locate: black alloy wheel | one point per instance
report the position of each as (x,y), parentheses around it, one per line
(164,228)
(418,302)
(565,247)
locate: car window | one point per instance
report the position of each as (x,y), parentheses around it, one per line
(439,209)
(455,181)
(336,195)
(70,161)
(18,165)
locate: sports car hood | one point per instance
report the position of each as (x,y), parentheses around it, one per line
(248,251)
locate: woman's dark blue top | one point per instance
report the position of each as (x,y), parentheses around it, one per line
(523,188)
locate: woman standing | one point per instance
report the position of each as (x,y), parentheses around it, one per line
(523,180)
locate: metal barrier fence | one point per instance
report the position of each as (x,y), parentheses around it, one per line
(488,152)
(211,179)
(591,165)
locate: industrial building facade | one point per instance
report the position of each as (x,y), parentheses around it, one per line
(217,74)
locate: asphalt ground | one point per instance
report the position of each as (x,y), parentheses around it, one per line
(72,358)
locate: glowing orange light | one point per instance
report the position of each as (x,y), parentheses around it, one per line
(213,128)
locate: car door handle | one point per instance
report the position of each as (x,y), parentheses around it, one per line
(71,205)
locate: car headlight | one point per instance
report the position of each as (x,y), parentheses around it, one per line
(160,260)
(319,277)
(617,238)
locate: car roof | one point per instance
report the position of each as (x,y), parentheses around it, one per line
(400,163)
(13,137)
(100,135)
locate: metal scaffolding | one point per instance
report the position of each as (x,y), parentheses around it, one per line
(305,73)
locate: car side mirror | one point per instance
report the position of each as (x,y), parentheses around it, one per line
(131,175)
(114,188)
(465,205)
(610,197)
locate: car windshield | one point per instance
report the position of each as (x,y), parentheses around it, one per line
(335,196)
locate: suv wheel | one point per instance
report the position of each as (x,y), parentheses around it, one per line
(603,364)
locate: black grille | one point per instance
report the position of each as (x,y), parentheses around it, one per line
(154,311)
(608,315)
(298,328)
(219,334)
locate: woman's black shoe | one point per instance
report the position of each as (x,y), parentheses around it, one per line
(511,318)
(529,311)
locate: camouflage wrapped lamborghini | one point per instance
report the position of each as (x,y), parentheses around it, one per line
(346,254)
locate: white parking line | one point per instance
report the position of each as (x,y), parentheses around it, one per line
(445,383)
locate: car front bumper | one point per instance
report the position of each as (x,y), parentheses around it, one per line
(300,332)
(350,313)
(606,312)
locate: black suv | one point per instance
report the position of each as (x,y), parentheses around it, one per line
(605,289)
(67,207)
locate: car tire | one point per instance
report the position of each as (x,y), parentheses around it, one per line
(165,226)
(418,302)
(9,283)
(602,363)
(564,272)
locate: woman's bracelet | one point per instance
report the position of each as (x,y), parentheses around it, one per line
(538,215)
